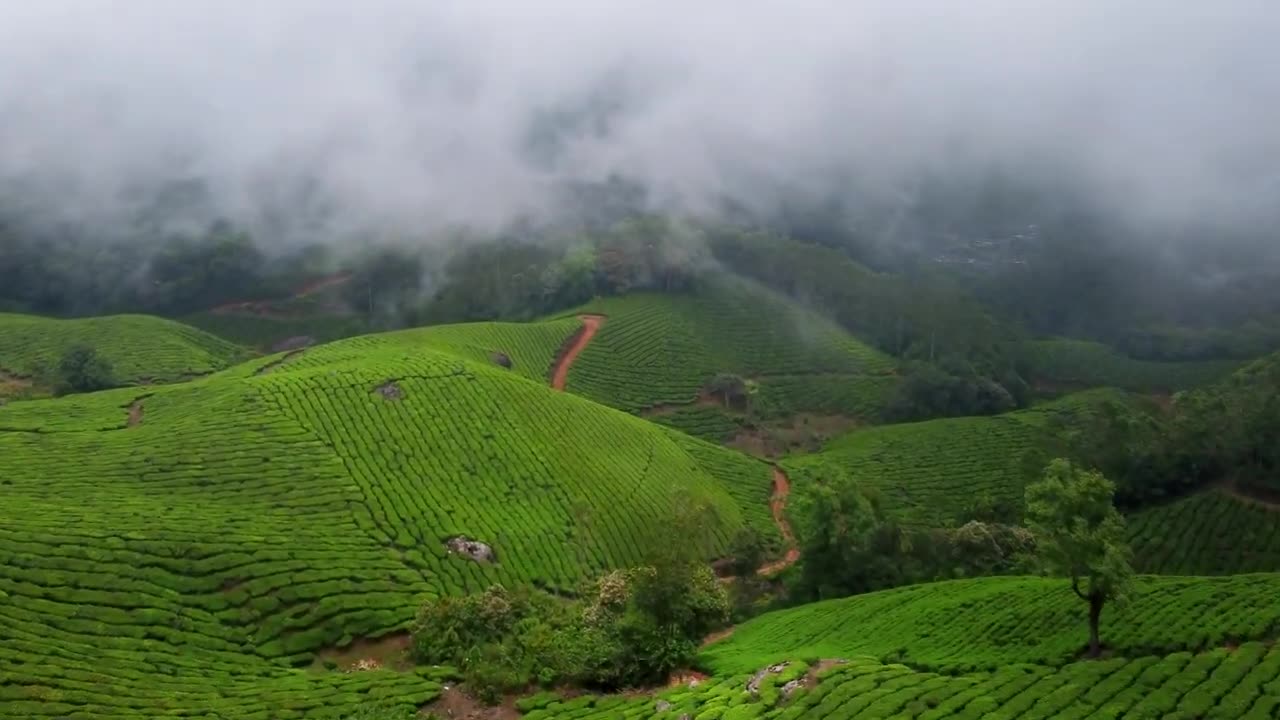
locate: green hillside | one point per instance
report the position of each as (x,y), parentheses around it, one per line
(1209,533)
(187,544)
(1223,684)
(141,348)
(931,472)
(1083,364)
(988,623)
(656,353)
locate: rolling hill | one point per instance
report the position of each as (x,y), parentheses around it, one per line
(140,348)
(929,473)
(1079,364)
(984,648)
(183,546)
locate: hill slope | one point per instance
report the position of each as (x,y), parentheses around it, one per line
(931,472)
(986,623)
(141,348)
(654,355)
(1085,364)
(184,545)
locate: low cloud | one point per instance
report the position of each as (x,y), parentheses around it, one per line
(313,118)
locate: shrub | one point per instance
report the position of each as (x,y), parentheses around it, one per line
(82,369)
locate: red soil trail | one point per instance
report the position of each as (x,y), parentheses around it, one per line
(264,307)
(778,504)
(578,343)
(319,284)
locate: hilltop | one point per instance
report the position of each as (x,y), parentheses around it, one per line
(141,349)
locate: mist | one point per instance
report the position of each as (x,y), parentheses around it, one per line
(395,118)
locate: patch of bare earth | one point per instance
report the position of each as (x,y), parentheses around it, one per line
(803,432)
(135,413)
(811,677)
(1253,496)
(11,384)
(390,652)
(390,391)
(271,366)
(455,704)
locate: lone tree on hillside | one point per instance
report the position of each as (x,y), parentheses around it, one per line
(1080,534)
(82,369)
(731,388)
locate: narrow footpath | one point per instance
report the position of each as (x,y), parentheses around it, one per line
(590,325)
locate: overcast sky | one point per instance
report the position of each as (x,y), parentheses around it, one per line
(411,114)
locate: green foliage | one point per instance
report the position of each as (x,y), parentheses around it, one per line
(136,347)
(1219,684)
(1082,364)
(1208,533)
(82,369)
(657,350)
(627,628)
(988,623)
(1079,534)
(930,391)
(928,474)
(264,513)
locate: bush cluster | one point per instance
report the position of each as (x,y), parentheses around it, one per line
(627,628)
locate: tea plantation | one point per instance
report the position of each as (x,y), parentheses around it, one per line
(931,472)
(1239,683)
(140,348)
(1210,533)
(986,623)
(657,350)
(1080,363)
(185,547)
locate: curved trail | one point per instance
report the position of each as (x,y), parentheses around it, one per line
(778,504)
(590,325)
(781,484)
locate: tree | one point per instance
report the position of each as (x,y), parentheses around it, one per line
(731,388)
(1080,534)
(82,369)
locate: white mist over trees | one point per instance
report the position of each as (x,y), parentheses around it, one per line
(302,119)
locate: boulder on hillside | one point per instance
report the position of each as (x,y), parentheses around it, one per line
(501,358)
(473,549)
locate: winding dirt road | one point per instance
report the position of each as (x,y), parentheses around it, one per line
(781,485)
(590,325)
(778,504)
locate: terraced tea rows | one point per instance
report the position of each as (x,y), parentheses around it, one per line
(1080,363)
(988,623)
(1210,533)
(139,347)
(1227,684)
(662,349)
(929,473)
(250,520)
(530,348)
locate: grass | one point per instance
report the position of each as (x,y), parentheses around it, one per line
(267,512)
(929,473)
(1082,363)
(1209,533)
(657,350)
(985,624)
(141,348)
(1220,684)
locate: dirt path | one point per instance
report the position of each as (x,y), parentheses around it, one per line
(590,324)
(1264,501)
(135,413)
(778,504)
(319,284)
